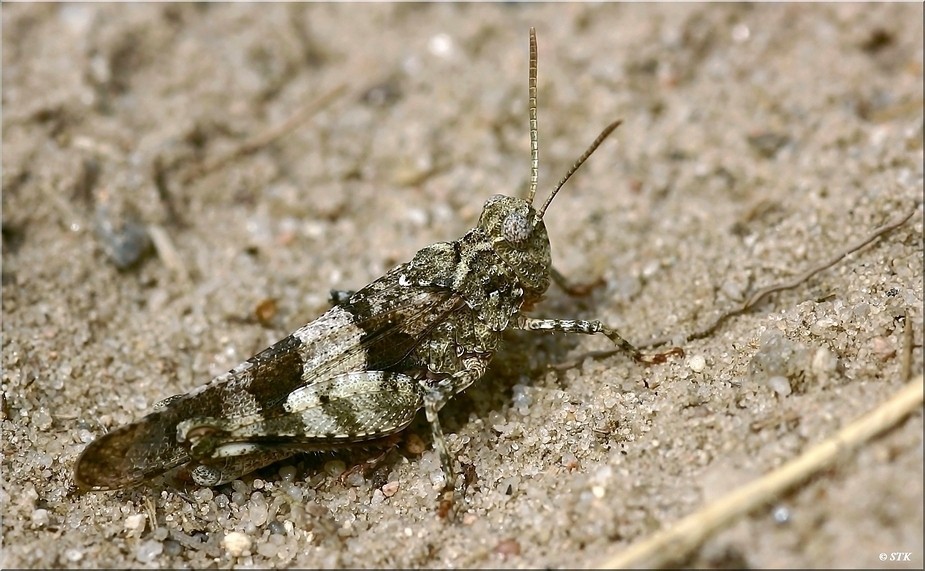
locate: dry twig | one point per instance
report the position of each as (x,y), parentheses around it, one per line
(676,543)
(759,295)
(263,139)
(905,366)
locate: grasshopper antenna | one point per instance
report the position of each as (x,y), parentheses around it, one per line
(581,160)
(534,140)
(534,143)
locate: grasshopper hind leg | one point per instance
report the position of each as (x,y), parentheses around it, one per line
(223,470)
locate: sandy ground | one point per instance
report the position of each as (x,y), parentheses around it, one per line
(758,140)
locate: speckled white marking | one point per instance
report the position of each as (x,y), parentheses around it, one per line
(326,339)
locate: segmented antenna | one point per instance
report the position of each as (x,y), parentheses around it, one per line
(534,144)
(597,142)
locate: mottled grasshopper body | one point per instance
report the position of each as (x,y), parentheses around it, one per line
(412,339)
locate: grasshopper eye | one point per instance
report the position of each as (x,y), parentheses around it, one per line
(516,229)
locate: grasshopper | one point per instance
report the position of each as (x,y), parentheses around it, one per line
(412,339)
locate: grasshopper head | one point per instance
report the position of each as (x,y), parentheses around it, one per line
(514,227)
(519,237)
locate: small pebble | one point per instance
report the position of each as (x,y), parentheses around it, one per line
(149,550)
(267,550)
(390,489)
(414,444)
(73,554)
(40,517)
(41,419)
(335,467)
(287,473)
(236,543)
(780,385)
(355,479)
(172,548)
(782,515)
(697,363)
(508,548)
(882,348)
(135,522)
(258,510)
